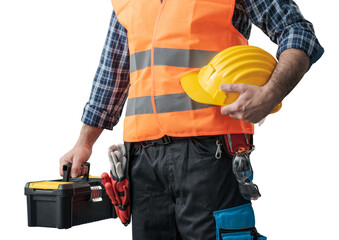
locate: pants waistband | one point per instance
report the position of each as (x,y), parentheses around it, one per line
(161,141)
(167,140)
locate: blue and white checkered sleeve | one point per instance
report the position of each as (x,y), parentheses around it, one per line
(283,22)
(111,81)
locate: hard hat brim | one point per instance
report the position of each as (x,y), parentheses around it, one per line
(190,84)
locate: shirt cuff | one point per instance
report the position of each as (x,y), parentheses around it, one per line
(98,117)
(303,40)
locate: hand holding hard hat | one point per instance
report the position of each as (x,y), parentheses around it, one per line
(253,105)
(235,65)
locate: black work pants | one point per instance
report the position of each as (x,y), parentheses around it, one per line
(177,187)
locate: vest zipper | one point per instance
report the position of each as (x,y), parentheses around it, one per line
(162,5)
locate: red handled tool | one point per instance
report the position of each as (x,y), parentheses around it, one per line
(117,185)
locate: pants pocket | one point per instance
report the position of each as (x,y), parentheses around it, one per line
(237,223)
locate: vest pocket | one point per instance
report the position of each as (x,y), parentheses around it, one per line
(236,223)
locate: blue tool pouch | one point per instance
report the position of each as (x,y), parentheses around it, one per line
(237,223)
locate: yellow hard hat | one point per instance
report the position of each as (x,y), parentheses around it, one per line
(238,64)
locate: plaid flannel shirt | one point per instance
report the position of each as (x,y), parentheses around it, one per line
(280,20)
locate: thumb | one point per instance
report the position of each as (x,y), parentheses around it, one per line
(232,87)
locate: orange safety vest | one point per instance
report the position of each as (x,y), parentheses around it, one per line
(166,41)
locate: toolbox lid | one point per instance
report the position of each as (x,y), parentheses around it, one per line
(47,185)
(66,187)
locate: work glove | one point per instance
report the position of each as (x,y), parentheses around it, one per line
(117,185)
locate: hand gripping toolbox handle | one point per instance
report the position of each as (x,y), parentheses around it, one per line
(68,203)
(67,171)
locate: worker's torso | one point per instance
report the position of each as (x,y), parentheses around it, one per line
(166,41)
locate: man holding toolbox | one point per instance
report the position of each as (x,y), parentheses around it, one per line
(180,162)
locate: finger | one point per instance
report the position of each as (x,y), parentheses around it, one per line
(116,193)
(119,156)
(84,170)
(110,155)
(61,172)
(119,170)
(238,116)
(261,122)
(114,158)
(229,109)
(232,88)
(114,171)
(111,162)
(122,149)
(113,148)
(110,193)
(105,178)
(76,168)
(63,161)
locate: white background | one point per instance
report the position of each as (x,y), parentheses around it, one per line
(49,52)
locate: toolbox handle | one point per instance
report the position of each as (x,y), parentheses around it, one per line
(67,171)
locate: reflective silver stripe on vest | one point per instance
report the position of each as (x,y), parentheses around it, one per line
(177,102)
(171,57)
(140,60)
(164,104)
(182,57)
(139,105)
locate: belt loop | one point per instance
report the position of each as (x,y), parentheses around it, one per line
(162,141)
(145,144)
(166,139)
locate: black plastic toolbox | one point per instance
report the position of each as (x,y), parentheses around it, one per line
(67,202)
